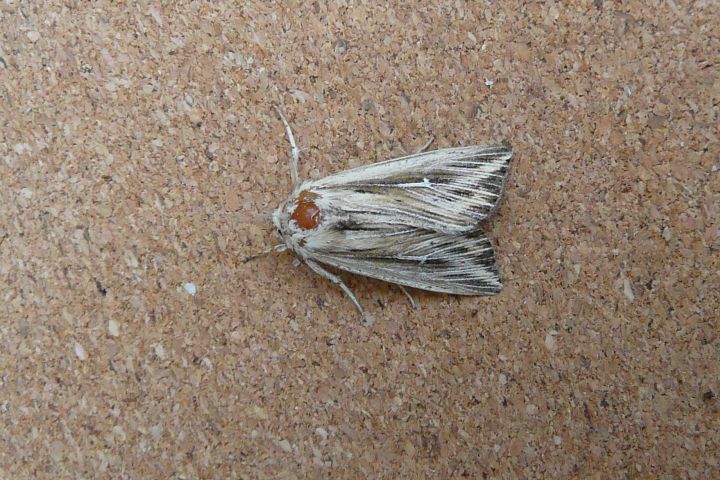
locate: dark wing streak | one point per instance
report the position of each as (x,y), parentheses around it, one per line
(445,196)
(419,191)
(393,212)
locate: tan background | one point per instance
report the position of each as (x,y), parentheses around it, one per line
(139,152)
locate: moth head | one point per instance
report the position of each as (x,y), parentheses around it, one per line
(280,223)
(277,220)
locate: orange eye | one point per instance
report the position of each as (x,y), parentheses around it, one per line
(306,215)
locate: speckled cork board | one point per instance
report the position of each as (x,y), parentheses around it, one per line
(140,159)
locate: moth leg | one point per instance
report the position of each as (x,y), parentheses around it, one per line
(336,280)
(294,150)
(427,144)
(410,297)
(423,148)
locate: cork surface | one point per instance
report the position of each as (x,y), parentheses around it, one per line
(140,159)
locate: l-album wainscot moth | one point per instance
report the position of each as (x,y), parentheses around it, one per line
(412,221)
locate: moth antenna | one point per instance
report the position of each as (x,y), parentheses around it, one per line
(294,150)
(276,248)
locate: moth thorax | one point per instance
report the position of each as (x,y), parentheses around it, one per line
(307,213)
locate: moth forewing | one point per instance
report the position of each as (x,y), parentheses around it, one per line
(462,264)
(412,221)
(448,190)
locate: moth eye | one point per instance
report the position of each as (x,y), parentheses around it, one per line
(306,215)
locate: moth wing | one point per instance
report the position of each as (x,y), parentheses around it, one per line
(460,264)
(448,190)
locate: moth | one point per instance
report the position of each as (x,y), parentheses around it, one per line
(412,221)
